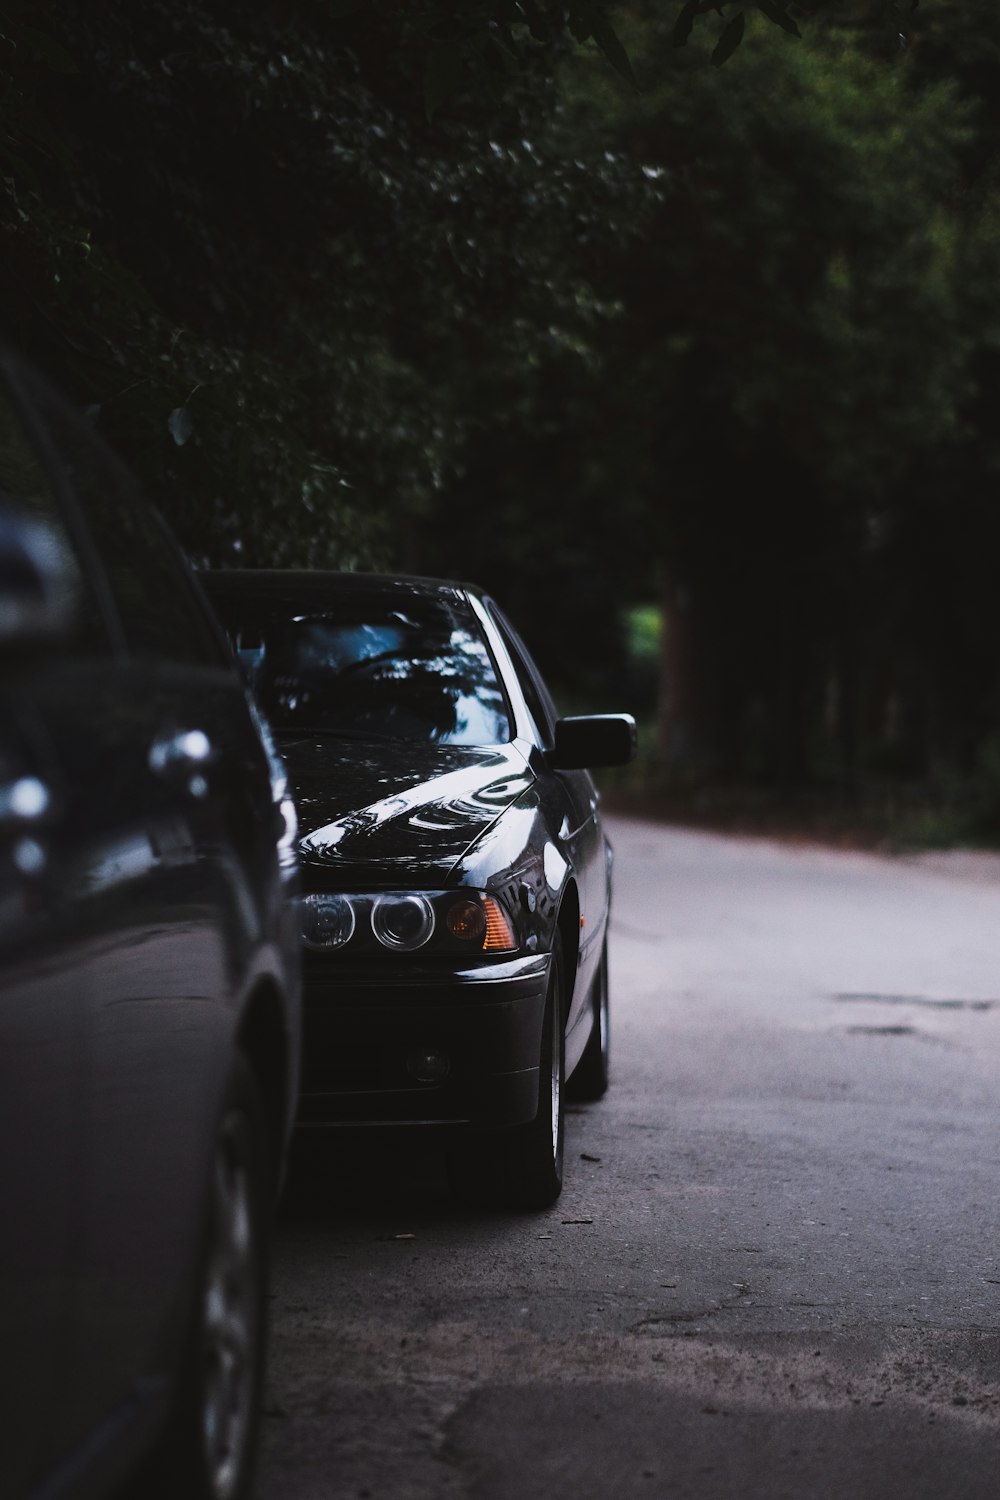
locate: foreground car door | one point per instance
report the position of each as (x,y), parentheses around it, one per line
(176,821)
(79,872)
(44,1081)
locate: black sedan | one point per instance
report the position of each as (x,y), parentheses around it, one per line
(149,990)
(457,877)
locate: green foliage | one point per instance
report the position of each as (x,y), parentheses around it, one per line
(802,328)
(291,325)
(645,632)
(891,24)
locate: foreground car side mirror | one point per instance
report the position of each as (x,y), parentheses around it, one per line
(589,741)
(39,589)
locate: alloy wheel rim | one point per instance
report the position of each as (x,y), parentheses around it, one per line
(230,1320)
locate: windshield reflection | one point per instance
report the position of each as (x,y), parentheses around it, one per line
(420,674)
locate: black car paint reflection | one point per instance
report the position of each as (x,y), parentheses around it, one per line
(404,788)
(149,960)
(436,801)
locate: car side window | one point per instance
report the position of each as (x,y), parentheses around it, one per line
(25,487)
(536,696)
(155,600)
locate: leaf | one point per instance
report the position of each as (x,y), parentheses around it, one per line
(444,75)
(779,16)
(684,24)
(538,26)
(580,22)
(180,425)
(729,40)
(587,20)
(607,39)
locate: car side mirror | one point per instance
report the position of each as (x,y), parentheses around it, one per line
(589,741)
(39,585)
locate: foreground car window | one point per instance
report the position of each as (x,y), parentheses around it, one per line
(148,584)
(368,666)
(25,490)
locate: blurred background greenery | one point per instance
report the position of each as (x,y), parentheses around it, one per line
(696,367)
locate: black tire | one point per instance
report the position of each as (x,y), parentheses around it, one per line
(209,1449)
(523,1168)
(590,1076)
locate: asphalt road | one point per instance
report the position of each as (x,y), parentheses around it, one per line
(775,1267)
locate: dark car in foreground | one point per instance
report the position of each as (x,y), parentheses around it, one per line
(149,990)
(457,879)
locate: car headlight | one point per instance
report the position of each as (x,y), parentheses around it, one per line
(466,922)
(402,922)
(327,921)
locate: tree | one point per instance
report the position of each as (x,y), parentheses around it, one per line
(276,322)
(797,326)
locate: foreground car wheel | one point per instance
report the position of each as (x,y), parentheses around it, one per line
(590,1077)
(209,1449)
(523,1168)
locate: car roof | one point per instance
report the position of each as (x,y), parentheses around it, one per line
(303,582)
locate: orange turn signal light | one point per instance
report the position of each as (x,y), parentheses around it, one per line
(499,933)
(482,921)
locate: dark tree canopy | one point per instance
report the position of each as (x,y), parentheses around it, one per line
(531,290)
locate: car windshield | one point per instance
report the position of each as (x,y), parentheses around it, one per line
(414,668)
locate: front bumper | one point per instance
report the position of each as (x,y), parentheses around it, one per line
(366,1032)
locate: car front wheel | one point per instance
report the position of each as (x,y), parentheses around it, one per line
(209,1449)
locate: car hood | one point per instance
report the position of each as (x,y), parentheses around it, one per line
(396,808)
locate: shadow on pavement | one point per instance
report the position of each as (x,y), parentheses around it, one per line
(351,1176)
